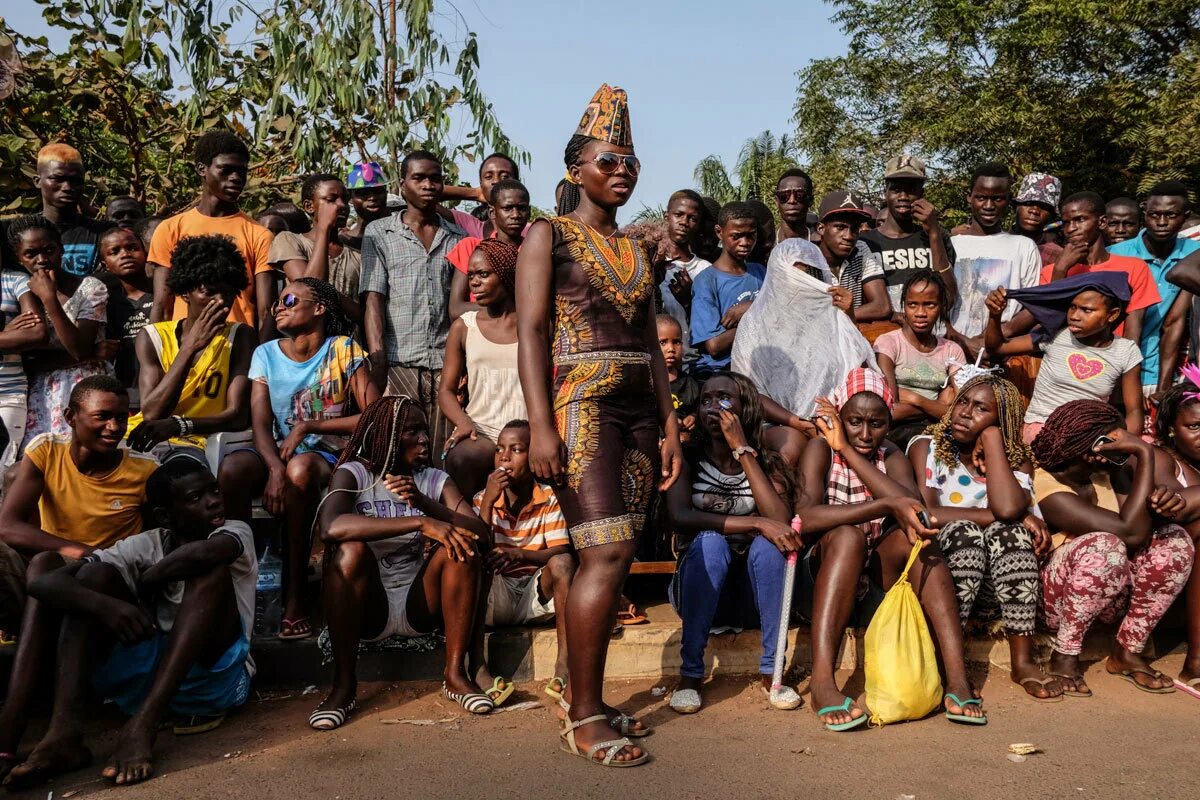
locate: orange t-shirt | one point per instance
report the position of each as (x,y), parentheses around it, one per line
(1143,291)
(253,242)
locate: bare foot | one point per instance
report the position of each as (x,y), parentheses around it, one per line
(826,694)
(1139,668)
(962,691)
(595,732)
(339,697)
(1191,668)
(131,761)
(1036,684)
(47,760)
(459,683)
(1068,670)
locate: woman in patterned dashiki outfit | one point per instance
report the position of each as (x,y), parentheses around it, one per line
(597,392)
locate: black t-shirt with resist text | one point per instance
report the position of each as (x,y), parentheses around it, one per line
(899,256)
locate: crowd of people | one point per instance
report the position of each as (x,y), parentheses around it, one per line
(479,420)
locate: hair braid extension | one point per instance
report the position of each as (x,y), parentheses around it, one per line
(1010,418)
(336,321)
(502,257)
(1071,430)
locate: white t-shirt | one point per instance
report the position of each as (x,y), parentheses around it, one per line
(985,263)
(400,557)
(671,305)
(1072,370)
(134,555)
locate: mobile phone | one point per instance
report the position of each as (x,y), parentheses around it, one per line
(924,518)
(1113,458)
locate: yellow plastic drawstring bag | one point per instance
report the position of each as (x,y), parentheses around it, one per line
(901,666)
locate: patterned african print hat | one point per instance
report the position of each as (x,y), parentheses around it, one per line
(607,117)
(1038,187)
(365,174)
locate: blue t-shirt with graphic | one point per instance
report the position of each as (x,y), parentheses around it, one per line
(713,293)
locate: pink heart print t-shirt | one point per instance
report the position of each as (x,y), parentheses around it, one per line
(1072,370)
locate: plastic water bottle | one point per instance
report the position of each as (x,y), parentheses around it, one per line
(268,600)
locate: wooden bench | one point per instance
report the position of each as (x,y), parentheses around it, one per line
(652,568)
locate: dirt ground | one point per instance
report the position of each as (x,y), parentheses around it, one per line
(1122,743)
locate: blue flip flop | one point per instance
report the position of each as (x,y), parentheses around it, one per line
(841,726)
(963,719)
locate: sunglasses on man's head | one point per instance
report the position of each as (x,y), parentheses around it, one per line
(794,195)
(608,163)
(290,300)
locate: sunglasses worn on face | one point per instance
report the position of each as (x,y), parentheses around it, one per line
(794,195)
(289,300)
(609,162)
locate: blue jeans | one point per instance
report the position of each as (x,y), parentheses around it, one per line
(708,580)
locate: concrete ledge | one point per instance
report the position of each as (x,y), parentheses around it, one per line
(642,651)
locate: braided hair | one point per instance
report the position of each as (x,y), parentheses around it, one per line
(502,257)
(1071,430)
(1010,417)
(336,321)
(375,438)
(568,201)
(1173,401)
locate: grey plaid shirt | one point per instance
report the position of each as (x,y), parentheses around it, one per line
(416,284)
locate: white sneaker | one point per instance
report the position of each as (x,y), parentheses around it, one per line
(785,698)
(685,701)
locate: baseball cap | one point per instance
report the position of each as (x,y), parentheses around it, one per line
(904,167)
(843,201)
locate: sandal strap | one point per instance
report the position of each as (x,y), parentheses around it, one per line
(845,706)
(613,746)
(571,726)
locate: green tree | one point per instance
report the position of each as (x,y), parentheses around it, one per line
(312,84)
(761,161)
(1102,95)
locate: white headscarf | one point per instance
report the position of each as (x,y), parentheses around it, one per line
(792,342)
(800,253)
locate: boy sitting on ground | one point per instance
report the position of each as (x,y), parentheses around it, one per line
(530,560)
(159,621)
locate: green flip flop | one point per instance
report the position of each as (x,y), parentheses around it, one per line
(838,727)
(963,719)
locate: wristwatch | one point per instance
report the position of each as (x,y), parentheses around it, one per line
(741,451)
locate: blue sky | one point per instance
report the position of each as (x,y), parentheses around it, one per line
(702,76)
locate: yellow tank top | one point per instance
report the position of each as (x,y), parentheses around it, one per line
(205,388)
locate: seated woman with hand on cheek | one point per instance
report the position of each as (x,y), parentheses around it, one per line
(861,507)
(735,503)
(975,473)
(1117,553)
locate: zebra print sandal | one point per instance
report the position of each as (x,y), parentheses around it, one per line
(474,702)
(328,719)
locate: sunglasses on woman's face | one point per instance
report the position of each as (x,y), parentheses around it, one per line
(290,300)
(608,163)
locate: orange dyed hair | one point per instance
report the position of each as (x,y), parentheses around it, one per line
(59,152)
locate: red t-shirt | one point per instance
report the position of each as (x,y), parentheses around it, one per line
(1143,291)
(460,256)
